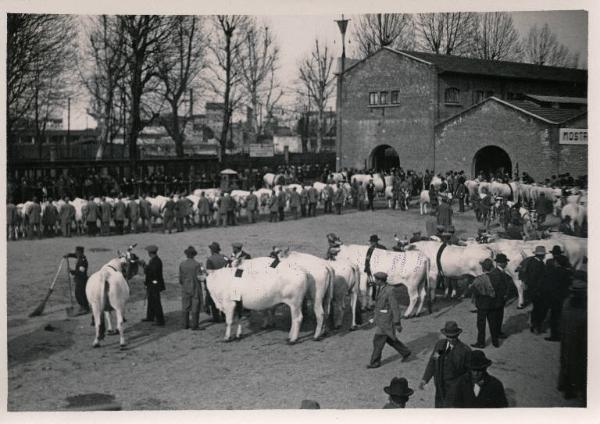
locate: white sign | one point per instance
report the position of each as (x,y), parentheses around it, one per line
(573,136)
(261,150)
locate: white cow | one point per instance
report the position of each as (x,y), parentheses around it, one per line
(575,248)
(79,204)
(408,268)
(378,181)
(271,180)
(347,281)
(259,287)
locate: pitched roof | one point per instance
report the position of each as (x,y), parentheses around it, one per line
(557,99)
(496,68)
(546,114)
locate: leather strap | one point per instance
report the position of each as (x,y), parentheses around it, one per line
(368,260)
(438,258)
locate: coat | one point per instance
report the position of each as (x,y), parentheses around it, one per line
(447,368)
(11,214)
(203,206)
(120,211)
(181,208)
(223,205)
(484,298)
(79,273)
(313,195)
(573,344)
(145,209)
(387,312)
(502,283)
(294,199)
(304,197)
(251,202)
(154,274)
(134,211)
(216,261)
(281,199)
(338,197)
(491,394)
(105,212)
(444,216)
(189,270)
(67,213)
(273,204)
(169,211)
(532,271)
(92,213)
(50,215)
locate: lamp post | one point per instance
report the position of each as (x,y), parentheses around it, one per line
(342,25)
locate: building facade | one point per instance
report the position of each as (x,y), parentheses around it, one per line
(427,111)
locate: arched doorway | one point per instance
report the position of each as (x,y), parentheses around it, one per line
(491,160)
(384,158)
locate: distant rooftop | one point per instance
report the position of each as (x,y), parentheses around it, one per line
(557,99)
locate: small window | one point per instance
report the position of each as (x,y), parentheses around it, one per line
(394,98)
(373,98)
(452,95)
(383,98)
(477,96)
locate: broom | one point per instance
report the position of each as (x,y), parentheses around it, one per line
(38,311)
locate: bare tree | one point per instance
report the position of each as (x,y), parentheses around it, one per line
(446,33)
(40,52)
(178,62)
(316,77)
(230,30)
(143,36)
(258,62)
(103,65)
(374,31)
(541,47)
(496,37)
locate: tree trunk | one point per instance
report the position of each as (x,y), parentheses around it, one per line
(320,131)
(226,111)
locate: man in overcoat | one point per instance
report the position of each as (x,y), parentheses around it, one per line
(145,213)
(155,284)
(251,206)
(532,272)
(504,287)
(294,202)
(203,210)
(67,215)
(477,388)
(105,216)
(444,214)
(483,295)
(313,198)
(387,320)
(190,272)
(80,276)
(449,361)
(338,199)
(215,261)
(133,210)
(49,218)
(120,211)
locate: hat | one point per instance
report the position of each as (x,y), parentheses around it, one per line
(501,258)
(190,251)
(556,250)
(451,229)
(539,250)
(398,387)
(451,329)
(486,264)
(374,238)
(214,246)
(481,230)
(152,248)
(332,237)
(79,249)
(381,276)
(416,232)
(309,404)
(336,243)
(440,228)
(479,360)
(237,245)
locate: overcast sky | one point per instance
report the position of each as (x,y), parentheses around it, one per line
(296,34)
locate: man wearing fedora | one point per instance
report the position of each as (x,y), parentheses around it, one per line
(155,284)
(532,273)
(484,296)
(387,320)
(572,377)
(190,272)
(503,284)
(556,289)
(477,388)
(215,261)
(449,361)
(238,254)
(398,392)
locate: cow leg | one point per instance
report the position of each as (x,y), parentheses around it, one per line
(353,302)
(121,327)
(109,328)
(320,317)
(228,308)
(421,297)
(296,314)
(413,295)
(97,322)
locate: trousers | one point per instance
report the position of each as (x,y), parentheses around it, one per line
(154,310)
(190,305)
(493,317)
(379,341)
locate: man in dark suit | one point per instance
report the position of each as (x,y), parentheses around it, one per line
(215,261)
(556,289)
(238,255)
(80,276)
(503,286)
(387,320)
(484,295)
(532,271)
(154,283)
(374,242)
(449,362)
(478,389)
(191,290)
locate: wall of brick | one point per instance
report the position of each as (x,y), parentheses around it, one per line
(528,142)
(408,126)
(574,158)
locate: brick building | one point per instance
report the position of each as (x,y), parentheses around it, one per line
(428,111)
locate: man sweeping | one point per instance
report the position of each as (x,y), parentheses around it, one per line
(80,276)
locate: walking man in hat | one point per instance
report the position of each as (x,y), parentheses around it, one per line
(477,388)
(80,277)
(484,296)
(387,320)
(398,392)
(532,272)
(190,272)
(155,284)
(215,261)
(449,361)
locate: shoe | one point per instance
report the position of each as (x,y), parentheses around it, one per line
(496,343)
(521,307)
(552,339)
(159,324)
(405,357)
(147,320)
(478,345)
(502,336)
(374,365)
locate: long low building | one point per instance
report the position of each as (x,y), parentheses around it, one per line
(427,111)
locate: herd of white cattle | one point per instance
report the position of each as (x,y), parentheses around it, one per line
(265,282)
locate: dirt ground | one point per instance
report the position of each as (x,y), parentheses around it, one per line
(50,358)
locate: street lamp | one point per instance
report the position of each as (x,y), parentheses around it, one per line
(342,25)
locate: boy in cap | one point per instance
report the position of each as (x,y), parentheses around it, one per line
(80,276)
(190,274)
(398,392)
(449,361)
(154,283)
(477,388)
(387,320)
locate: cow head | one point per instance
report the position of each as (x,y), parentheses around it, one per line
(130,262)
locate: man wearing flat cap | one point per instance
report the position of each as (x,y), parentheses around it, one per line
(387,320)
(154,283)
(190,274)
(215,261)
(80,277)
(532,272)
(449,361)
(477,388)
(398,392)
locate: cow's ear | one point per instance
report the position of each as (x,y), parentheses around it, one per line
(287,250)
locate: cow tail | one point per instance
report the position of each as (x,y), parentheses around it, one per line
(330,283)
(103,301)
(428,294)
